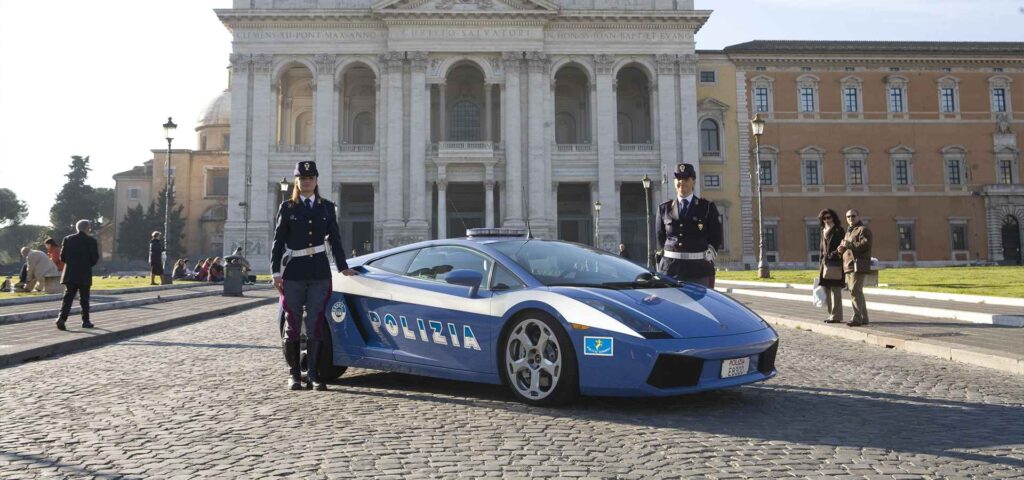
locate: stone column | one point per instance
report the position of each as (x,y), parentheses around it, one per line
(667,111)
(746,169)
(418,98)
(607,109)
(442,122)
(442,203)
(487,110)
(394,188)
(510,106)
(688,107)
(238,155)
(537,65)
(323,123)
(260,201)
(275,111)
(489,198)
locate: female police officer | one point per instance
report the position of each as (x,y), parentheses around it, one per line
(689,231)
(303,221)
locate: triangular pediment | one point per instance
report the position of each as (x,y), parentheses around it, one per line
(482,6)
(711,103)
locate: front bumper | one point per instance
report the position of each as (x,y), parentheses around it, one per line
(643,367)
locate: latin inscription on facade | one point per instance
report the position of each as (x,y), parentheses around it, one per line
(308,35)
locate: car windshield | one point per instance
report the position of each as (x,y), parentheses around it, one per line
(569,264)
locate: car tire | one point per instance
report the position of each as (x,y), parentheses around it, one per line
(537,361)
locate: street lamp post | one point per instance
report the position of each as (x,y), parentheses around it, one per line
(647,233)
(757,126)
(597,225)
(169,135)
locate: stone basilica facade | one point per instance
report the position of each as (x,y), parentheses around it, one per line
(426,117)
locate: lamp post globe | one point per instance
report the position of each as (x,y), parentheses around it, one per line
(757,128)
(597,224)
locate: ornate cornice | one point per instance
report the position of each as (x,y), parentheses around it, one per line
(603,63)
(261,62)
(418,60)
(239,62)
(325,63)
(666,64)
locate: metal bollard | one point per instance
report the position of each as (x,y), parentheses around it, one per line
(233,278)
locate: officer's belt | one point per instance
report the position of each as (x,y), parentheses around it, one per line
(683,255)
(304,252)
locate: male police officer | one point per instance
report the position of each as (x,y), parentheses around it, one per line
(689,231)
(303,221)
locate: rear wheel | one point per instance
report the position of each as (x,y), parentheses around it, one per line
(538,361)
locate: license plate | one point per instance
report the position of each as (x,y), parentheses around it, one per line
(735,367)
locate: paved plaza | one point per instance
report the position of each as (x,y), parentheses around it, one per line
(209,400)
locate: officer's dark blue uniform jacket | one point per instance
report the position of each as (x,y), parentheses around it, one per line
(299,227)
(699,228)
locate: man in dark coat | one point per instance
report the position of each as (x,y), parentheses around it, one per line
(689,232)
(301,270)
(156,259)
(79,252)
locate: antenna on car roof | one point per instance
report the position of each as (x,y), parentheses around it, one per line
(526,212)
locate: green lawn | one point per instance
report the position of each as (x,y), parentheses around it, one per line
(996,281)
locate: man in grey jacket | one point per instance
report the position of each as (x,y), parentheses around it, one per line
(856,251)
(39,267)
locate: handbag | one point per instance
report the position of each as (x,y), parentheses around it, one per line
(832,272)
(818,294)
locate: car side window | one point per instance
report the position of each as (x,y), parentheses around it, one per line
(503,279)
(397,263)
(434,263)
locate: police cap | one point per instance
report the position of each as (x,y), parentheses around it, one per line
(685,170)
(306,168)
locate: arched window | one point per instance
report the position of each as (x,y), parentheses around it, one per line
(709,141)
(363,128)
(465,121)
(565,128)
(304,129)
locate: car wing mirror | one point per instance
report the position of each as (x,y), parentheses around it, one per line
(466,278)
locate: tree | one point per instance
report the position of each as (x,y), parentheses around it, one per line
(12,210)
(76,200)
(133,235)
(13,237)
(104,198)
(155,218)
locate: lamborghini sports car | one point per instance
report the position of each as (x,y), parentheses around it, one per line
(549,319)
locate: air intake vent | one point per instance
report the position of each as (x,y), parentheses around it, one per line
(766,361)
(672,371)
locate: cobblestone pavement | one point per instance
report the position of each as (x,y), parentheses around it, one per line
(209,400)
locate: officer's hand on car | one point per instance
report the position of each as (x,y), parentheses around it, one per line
(348,272)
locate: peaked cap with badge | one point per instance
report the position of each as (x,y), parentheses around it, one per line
(306,169)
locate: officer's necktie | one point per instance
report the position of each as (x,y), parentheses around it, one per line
(309,204)
(683,208)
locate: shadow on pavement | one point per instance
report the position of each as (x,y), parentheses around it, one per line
(156,343)
(39,461)
(815,416)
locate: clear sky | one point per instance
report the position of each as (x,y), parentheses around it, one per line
(99,78)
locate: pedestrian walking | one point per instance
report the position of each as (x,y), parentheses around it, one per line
(301,271)
(689,232)
(856,251)
(156,259)
(53,251)
(623,253)
(79,252)
(830,264)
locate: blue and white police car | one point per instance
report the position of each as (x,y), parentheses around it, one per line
(549,319)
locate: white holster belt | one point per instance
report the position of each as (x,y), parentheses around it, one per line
(684,255)
(304,252)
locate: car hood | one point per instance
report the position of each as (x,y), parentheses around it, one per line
(691,311)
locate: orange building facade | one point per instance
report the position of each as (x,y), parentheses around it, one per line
(920,137)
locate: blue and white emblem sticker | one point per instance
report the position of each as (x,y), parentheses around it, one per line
(338,312)
(599,346)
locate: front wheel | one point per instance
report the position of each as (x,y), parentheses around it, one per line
(538,361)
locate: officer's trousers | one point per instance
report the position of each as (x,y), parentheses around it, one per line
(311,295)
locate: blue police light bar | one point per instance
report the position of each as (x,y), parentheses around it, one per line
(495,232)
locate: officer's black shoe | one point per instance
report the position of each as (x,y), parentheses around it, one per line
(320,386)
(60,326)
(88,324)
(295,383)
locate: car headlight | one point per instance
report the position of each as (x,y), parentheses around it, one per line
(645,328)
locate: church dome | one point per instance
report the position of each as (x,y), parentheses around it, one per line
(217,112)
